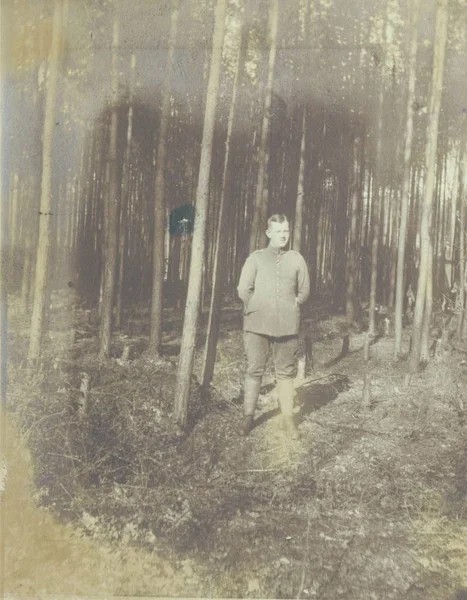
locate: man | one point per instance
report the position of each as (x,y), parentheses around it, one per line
(273,284)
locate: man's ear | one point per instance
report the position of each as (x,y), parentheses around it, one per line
(268,234)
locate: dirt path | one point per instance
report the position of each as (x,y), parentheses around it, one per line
(43,558)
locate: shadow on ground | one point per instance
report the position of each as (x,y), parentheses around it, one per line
(310,396)
(313,395)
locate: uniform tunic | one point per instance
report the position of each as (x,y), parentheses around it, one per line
(272,285)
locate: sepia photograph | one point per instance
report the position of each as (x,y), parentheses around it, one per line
(233,284)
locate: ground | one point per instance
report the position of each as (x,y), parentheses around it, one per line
(105,496)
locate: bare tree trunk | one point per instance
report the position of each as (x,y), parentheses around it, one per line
(400,278)
(190,324)
(450,254)
(125,193)
(298,221)
(393,242)
(261,196)
(222,237)
(14,217)
(376,217)
(155,334)
(425,338)
(462,236)
(352,265)
(112,194)
(4,277)
(422,314)
(442,282)
(29,244)
(340,226)
(45,212)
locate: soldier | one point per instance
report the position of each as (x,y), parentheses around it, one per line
(273,284)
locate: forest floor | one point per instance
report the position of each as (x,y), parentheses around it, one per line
(370,503)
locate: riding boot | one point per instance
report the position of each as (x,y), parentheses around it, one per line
(250,398)
(285,389)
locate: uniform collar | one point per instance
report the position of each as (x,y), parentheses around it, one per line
(276,251)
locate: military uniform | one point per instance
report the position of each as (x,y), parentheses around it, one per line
(272,285)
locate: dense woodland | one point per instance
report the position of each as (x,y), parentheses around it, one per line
(145,144)
(357,133)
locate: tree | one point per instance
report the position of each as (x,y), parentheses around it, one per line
(159,207)
(46,203)
(187,347)
(422,313)
(298,221)
(112,202)
(406,180)
(261,196)
(462,238)
(125,193)
(222,237)
(376,215)
(4,276)
(352,264)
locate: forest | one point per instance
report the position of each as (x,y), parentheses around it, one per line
(143,147)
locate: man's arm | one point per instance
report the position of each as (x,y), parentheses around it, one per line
(246,285)
(303,280)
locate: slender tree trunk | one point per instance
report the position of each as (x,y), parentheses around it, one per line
(155,335)
(441,280)
(222,237)
(29,244)
(412,227)
(190,324)
(112,194)
(376,218)
(422,314)
(436,216)
(125,193)
(45,212)
(298,221)
(340,225)
(4,277)
(14,218)
(450,255)
(400,277)
(425,338)
(393,242)
(352,265)
(261,197)
(462,236)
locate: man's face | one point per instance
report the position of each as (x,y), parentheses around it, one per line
(279,234)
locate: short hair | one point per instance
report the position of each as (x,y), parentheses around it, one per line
(277,218)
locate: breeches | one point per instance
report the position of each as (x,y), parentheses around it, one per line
(284,353)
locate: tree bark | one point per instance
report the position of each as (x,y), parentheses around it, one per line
(45,212)
(352,265)
(298,221)
(4,277)
(395,218)
(112,197)
(222,236)
(422,313)
(405,199)
(125,193)
(376,218)
(462,236)
(261,197)
(155,335)
(190,324)
(14,218)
